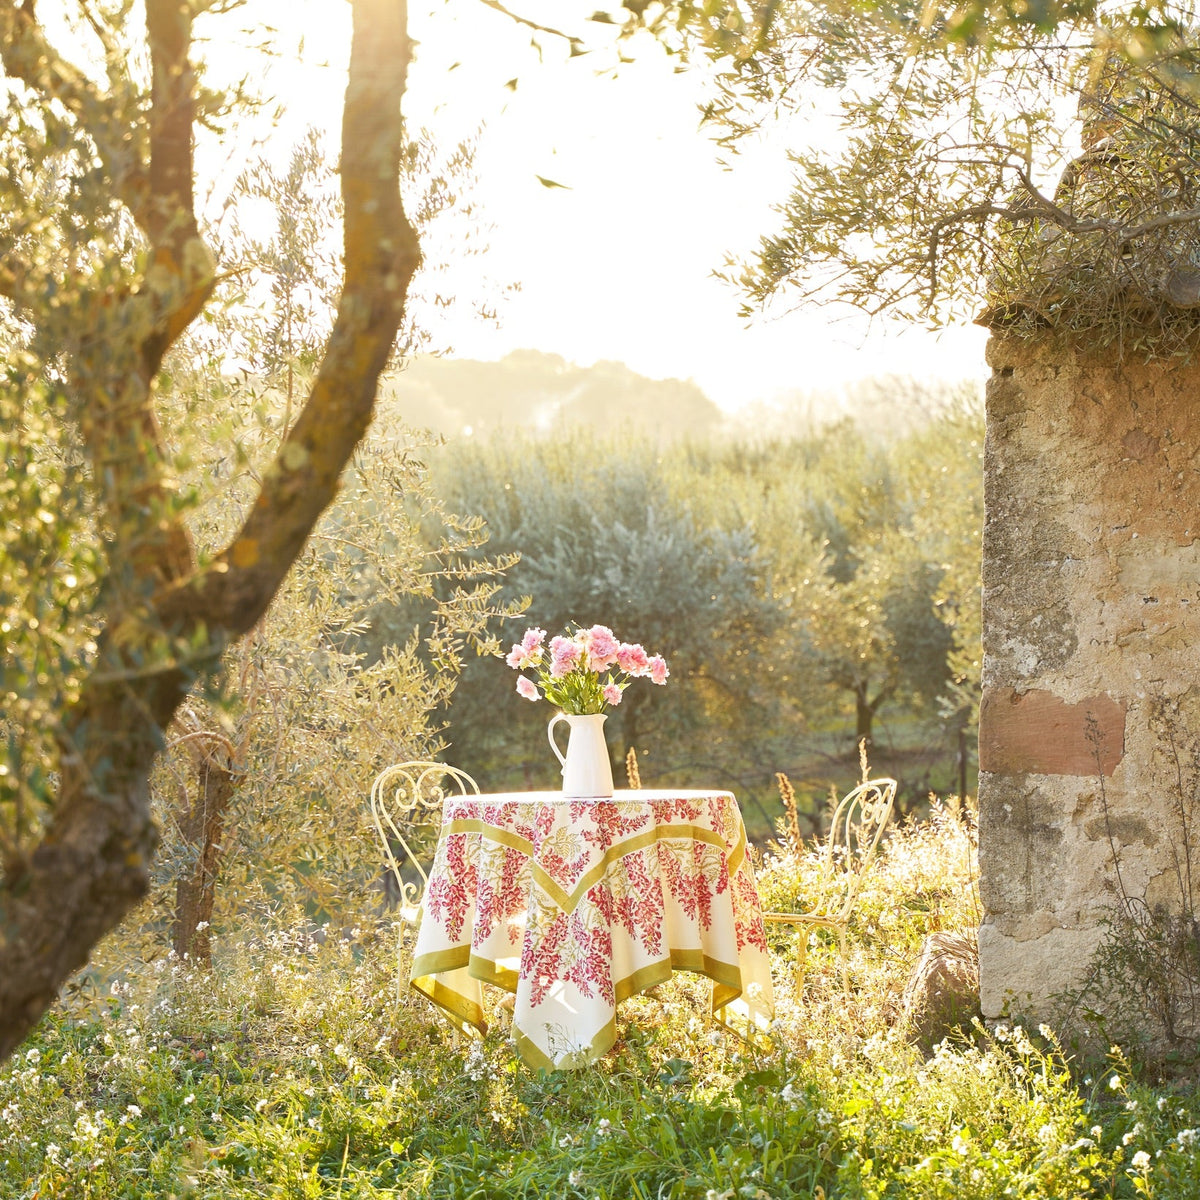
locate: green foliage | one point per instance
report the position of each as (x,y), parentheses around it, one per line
(957,183)
(604,538)
(798,587)
(291,1070)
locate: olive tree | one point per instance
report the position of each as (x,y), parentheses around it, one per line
(1031,165)
(109,614)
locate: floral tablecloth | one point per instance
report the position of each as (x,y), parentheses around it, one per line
(574,905)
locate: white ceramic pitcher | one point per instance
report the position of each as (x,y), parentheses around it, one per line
(586,771)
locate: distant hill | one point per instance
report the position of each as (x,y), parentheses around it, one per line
(532,390)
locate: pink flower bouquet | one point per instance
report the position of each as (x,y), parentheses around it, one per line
(583,673)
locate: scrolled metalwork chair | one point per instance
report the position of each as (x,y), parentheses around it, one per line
(855,831)
(405,798)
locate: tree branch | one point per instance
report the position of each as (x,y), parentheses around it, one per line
(381,257)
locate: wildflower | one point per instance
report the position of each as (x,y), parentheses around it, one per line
(1162,1104)
(1141,1161)
(259,1105)
(1114,1083)
(575,1178)
(1186,1139)
(190,1098)
(34,1056)
(603,1127)
(1097,1132)
(475,1064)
(960,1145)
(1135,1133)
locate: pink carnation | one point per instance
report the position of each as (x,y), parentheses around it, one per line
(564,655)
(533,640)
(602,647)
(527,689)
(611,693)
(632,659)
(658,669)
(518,658)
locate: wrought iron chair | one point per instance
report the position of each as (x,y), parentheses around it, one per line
(407,797)
(859,820)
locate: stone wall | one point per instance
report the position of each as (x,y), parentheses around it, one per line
(1091,619)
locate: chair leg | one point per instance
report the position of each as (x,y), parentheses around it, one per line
(400,962)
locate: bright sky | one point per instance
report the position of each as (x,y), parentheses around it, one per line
(618,263)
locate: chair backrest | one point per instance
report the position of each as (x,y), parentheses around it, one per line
(859,819)
(405,798)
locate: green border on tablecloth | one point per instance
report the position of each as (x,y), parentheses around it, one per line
(726,981)
(569,901)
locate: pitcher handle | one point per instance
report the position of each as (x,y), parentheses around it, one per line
(554,720)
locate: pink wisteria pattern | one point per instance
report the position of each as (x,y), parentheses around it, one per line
(583,903)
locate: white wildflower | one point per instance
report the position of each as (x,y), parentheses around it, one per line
(1141,1161)
(259,1105)
(1186,1139)
(1135,1133)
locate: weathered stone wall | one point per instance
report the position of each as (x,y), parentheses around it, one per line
(1091,618)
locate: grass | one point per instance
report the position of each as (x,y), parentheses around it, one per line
(292,1071)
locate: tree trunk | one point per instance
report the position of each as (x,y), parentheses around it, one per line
(201,827)
(864,717)
(93,864)
(167,621)
(864,713)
